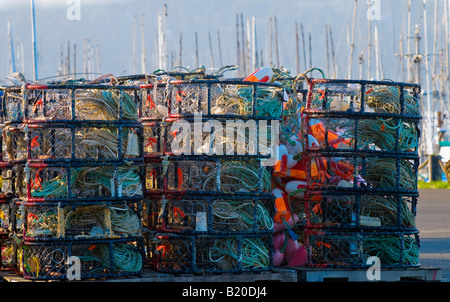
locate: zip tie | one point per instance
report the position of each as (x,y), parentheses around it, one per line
(27,171)
(163,207)
(165,164)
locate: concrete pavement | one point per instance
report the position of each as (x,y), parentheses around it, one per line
(433,222)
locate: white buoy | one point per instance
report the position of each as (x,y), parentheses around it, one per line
(263,74)
(295,185)
(296,148)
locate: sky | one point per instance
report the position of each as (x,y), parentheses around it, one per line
(107,25)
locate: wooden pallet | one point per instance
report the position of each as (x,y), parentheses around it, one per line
(360,275)
(149,275)
(283,274)
(10,276)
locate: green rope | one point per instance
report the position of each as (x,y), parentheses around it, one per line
(254,252)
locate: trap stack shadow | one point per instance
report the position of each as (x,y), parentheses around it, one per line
(77,160)
(207,195)
(361,158)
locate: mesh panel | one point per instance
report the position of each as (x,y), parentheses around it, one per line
(210,215)
(81,221)
(192,254)
(96,259)
(353,250)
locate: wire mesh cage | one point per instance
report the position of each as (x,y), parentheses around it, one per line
(354,212)
(364,116)
(352,250)
(153,90)
(69,102)
(199,136)
(205,143)
(66,182)
(368,173)
(206,174)
(360,96)
(48,142)
(213,97)
(348,170)
(371,135)
(75,159)
(209,214)
(52,142)
(212,254)
(49,221)
(361,140)
(210,137)
(84,259)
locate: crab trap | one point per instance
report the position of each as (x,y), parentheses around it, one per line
(353,250)
(205,146)
(65,102)
(50,221)
(361,140)
(211,98)
(54,142)
(355,211)
(209,214)
(347,170)
(360,173)
(362,117)
(84,259)
(206,175)
(75,158)
(46,142)
(197,254)
(212,137)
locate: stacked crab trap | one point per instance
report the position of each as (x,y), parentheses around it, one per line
(184,172)
(76,158)
(349,180)
(207,192)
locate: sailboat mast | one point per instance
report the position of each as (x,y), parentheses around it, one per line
(11,48)
(408,47)
(33,41)
(143,58)
(369,47)
(333,55)
(352,46)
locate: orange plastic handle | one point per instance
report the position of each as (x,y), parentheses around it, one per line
(282,211)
